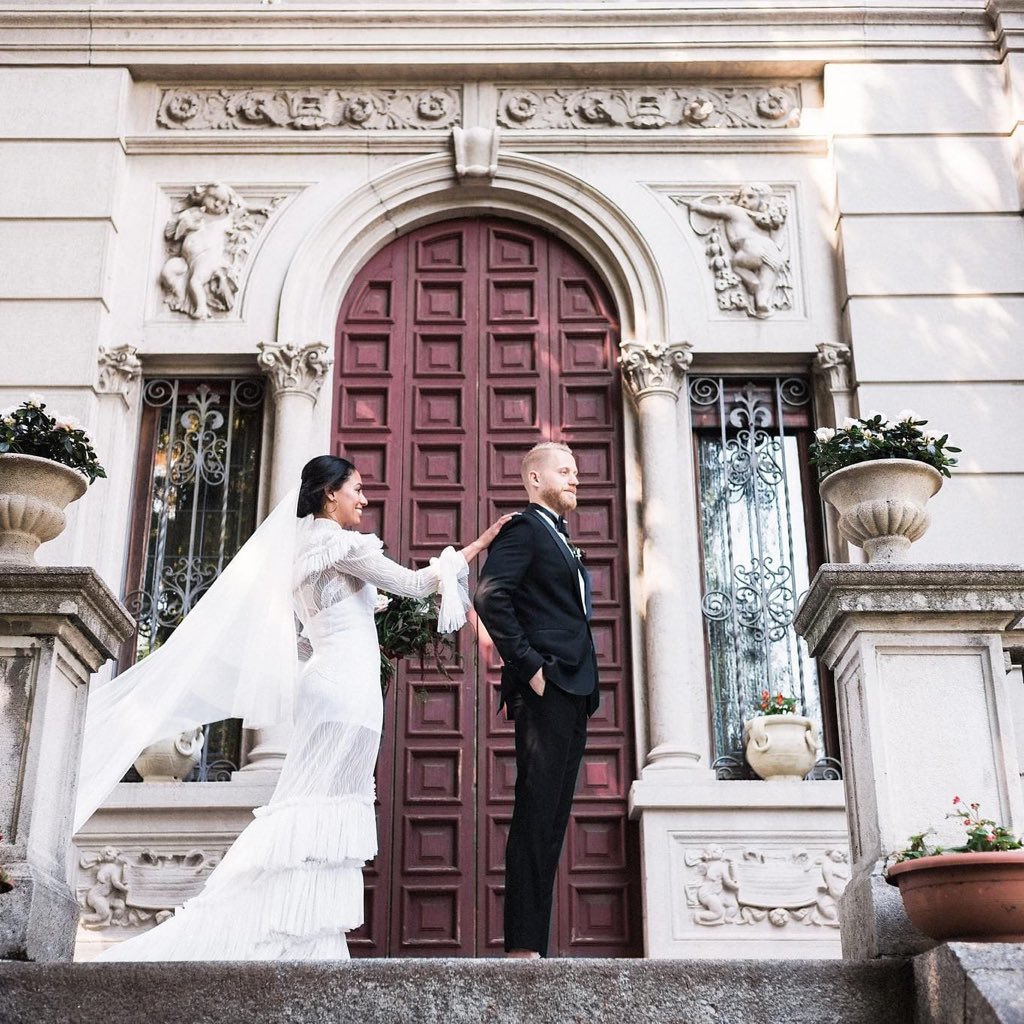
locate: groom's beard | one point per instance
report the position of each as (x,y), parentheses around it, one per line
(559,500)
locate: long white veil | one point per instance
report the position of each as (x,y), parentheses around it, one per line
(233,656)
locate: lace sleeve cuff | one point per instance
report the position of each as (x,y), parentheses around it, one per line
(453,586)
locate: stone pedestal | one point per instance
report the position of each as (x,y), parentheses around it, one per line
(57,626)
(924,715)
(741,869)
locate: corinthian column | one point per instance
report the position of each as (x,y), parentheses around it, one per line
(654,375)
(295,374)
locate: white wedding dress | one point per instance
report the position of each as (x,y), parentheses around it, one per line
(291,885)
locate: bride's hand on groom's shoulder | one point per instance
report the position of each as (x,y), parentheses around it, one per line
(481,543)
(493,530)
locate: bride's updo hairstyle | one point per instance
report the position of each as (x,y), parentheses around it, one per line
(320,475)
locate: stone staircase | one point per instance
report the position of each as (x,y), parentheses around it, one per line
(462,992)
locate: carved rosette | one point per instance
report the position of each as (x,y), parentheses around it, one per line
(833,366)
(309,109)
(119,369)
(781,887)
(655,368)
(684,107)
(294,369)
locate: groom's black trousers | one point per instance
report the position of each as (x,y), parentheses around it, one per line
(551,733)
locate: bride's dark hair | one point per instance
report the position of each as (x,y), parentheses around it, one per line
(319,475)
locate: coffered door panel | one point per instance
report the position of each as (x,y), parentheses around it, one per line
(460,345)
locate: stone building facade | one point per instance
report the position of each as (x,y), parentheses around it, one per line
(428,235)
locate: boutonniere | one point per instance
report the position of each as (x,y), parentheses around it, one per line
(578,553)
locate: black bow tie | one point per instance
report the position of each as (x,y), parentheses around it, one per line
(563,526)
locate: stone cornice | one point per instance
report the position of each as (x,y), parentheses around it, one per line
(71,602)
(449,35)
(993,592)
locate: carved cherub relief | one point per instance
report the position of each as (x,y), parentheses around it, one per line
(209,238)
(744,248)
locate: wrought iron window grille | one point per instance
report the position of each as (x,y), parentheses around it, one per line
(195,507)
(756,509)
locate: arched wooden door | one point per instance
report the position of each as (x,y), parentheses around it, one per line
(458,347)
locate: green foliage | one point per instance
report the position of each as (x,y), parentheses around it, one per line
(407,628)
(876,437)
(28,429)
(983,835)
(777,704)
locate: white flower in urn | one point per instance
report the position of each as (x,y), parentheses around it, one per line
(848,423)
(381,603)
(907,416)
(825,433)
(65,422)
(35,399)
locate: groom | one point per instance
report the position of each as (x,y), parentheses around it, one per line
(534,598)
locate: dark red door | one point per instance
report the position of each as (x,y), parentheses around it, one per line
(458,347)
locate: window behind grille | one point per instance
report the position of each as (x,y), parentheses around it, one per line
(197,486)
(761,542)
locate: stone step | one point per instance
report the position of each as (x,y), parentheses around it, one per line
(461,992)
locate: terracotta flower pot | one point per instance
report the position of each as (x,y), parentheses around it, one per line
(781,748)
(881,504)
(33,495)
(964,897)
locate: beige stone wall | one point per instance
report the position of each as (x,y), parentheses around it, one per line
(902,178)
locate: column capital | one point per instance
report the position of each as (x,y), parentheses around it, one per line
(833,366)
(119,369)
(294,369)
(655,367)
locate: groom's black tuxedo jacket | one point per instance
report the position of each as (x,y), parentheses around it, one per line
(528,597)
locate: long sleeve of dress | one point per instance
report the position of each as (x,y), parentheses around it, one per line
(448,575)
(333,563)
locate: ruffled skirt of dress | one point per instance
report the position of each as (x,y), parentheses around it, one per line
(291,885)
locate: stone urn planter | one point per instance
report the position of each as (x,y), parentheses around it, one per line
(33,495)
(964,897)
(881,504)
(172,759)
(781,748)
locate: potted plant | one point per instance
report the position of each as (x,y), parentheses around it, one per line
(780,745)
(406,628)
(878,474)
(969,893)
(46,462)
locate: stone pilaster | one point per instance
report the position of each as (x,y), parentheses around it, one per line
(296,374)
(835,401)
(57,627)
(924,715)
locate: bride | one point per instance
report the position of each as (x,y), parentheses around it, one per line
(291,885)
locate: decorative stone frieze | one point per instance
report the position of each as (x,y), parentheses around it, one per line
(294,369)
(118,888)
(310,109)
(685,107)
(655,367)
(746,247)
(476,152)
(209,240)
(119,370)
(783,887)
